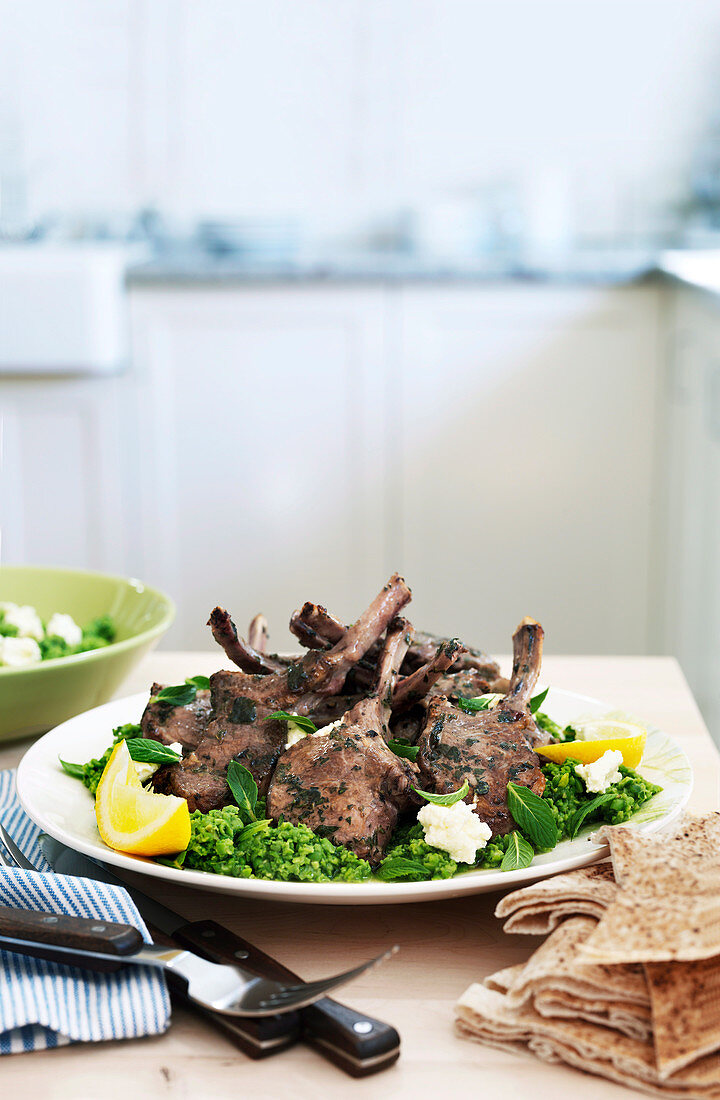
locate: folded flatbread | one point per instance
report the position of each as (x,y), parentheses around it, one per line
(668,904)
(538,909)
(488,1016)
(556,983)
(685,1003)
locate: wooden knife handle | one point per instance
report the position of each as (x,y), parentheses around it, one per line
(357,1043)
(27,928)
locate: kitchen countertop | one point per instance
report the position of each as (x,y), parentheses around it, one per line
(444,947)
(195,266)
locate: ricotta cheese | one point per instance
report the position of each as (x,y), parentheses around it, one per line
(455,829)
(145,770)
(25,619)
(19,652)
(602,773)
(297,733)
(65,627)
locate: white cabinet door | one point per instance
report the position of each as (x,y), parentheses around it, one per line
(691,480)
(261,426)
(63,472)
(524,434)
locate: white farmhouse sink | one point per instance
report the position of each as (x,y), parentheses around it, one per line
(63,308)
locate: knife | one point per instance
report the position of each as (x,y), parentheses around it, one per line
(353,1041)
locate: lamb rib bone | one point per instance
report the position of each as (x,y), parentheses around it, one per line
(241,728)
(347,784)
(239,651)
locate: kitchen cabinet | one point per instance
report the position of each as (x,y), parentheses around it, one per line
(690,480)
(66,457)
(492,442)
(525,463)
(262,421)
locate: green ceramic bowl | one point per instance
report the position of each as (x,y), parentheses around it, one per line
(36,698)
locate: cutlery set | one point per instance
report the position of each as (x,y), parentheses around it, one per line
(260,1004)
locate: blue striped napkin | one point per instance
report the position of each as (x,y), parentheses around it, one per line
(45,1005)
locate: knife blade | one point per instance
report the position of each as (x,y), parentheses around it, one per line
(355,1042)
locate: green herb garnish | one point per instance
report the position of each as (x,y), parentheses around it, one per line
(533,815)
(537,700)
(178,696)
(444,799)
(305,724)
(398,867)
(401,748)
(517,854)
(144,750)
(579,816)
(202,683)
(244,790)
(480,702)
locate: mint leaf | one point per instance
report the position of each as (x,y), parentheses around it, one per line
(244,790)
(401,748)
(178,696)
(202,683)
(77,771)
(533,814)
(398,867)
(145,750)
(305,724)
(517,854)
(579,816)
(447,799)
(480,702)
(537,701)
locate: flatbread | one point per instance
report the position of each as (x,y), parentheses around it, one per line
(538,909)
(487,1016)
(668,907)
(555,983)
(632,1020)
(685,1002)
(557,961)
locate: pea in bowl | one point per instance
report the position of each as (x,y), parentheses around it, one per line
(37,696)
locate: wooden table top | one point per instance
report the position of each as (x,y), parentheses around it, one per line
(446,945)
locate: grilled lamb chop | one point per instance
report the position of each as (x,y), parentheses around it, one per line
(492,747)
(240,728)
(317,628)
(239,651)
(347,785)
(170,724)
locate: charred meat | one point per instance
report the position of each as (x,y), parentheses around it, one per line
(491,748)
(240,728)
(346,784)
(171,724)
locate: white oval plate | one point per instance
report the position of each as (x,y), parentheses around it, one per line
(62,807)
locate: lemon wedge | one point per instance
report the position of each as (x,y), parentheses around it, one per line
(133,820)
(600,735)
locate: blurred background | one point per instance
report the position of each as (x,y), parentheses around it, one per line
(294,293)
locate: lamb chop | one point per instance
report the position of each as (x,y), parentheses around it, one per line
(240,652)
(317,629)
(170,724)
(240,727)
(491,748)
(347,784)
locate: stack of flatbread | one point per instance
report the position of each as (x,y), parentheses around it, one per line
(627,983)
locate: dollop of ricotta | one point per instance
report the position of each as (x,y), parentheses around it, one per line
(455,829)
(602,773)
(65,627)
(19,652)
(25,619)
(145,770)
(297,733)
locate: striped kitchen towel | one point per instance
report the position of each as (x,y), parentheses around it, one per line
(45,1005)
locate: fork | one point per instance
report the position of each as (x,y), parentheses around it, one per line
(86,942)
